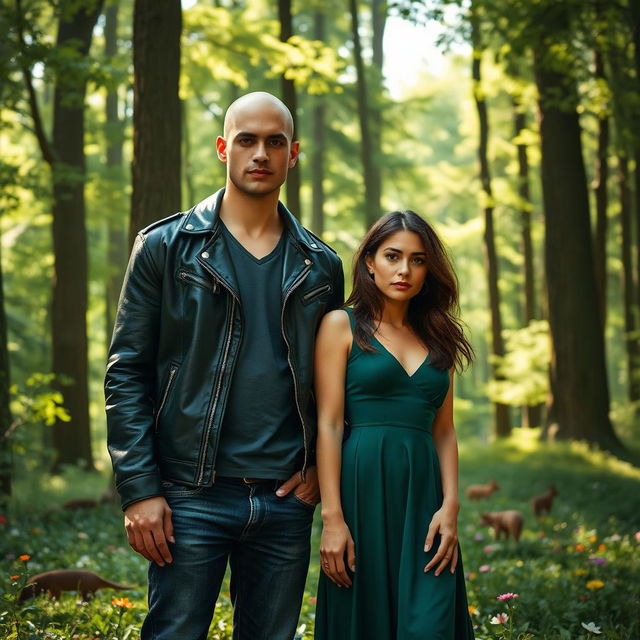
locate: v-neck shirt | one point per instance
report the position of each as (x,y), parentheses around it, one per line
(261,434)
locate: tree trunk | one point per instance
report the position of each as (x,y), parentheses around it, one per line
(628,289)
(157,25)
(531,414)
(379,9)
(371,206)
(290,98)
(5,411)
(501,412)
(581,393)
(116,215)
(72,440)
(600,190)
(186,149)
(318,142)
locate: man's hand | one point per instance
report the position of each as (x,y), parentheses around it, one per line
(149,527)
(308,491)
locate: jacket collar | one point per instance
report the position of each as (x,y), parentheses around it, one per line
(204,218)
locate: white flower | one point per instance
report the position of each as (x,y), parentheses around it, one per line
(591,627)
(501,618)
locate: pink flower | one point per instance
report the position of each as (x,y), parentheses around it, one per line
(507,596)
(636,535)
(501,618)
(597,560)
(488,549)
(484,568)
(478,536)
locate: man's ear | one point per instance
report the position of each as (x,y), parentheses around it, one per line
(221,148)
(293,153)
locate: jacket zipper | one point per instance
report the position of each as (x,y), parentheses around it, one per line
(172,374)
(189,277)
(216,396)
(316,292)
(294,286)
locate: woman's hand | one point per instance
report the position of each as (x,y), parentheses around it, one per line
(444,522)
(335,541)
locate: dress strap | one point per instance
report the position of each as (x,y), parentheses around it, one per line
(352,320)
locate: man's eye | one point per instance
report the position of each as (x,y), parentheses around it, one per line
(246,140)
(277,143)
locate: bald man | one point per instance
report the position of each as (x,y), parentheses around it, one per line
(211,423)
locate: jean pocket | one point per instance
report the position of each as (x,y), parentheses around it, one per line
(304,503)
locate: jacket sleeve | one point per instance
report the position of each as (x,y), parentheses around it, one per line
(130,379)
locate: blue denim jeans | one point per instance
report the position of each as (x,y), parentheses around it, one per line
(265,539)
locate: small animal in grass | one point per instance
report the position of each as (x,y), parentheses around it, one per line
(59,580)
(507,522)
(481,491)
(545,501)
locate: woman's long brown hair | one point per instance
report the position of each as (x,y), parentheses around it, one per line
(433,313)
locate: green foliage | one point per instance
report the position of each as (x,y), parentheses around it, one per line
(524,369)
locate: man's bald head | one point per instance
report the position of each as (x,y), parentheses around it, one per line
(252,103)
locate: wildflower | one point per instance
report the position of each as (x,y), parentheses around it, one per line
(473,611)
(541,534)
(484,568)
(597,560)
(488,549)
(122,603)
(579,547)
(14,577)
(82,535)
(472,575)
(591,627)
(636,535)
(519,563)
(593,585)
(507,596)
(616,537)
(593,538)
(580,572)
(24,557)
(501,618)
(36,531)
(2,519)
(313,599)
(601,547)
(478,536)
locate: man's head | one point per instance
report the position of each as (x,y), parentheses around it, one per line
(257,145)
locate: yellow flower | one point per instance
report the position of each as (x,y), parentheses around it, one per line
(472,610)
(580,572)
(519,563)
(473,575)
(592,585)
(124,603)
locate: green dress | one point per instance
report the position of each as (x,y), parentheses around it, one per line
(391,487)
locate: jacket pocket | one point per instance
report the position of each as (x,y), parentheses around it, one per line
(173,371)
(316,292)
(189,277)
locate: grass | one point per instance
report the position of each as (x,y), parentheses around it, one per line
(580,564)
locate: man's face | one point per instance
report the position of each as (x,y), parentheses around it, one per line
(257,150)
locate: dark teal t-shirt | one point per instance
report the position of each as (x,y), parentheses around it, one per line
(261,435)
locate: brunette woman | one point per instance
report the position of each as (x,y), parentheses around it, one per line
(389,552)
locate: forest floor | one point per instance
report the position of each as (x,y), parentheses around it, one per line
(575,571)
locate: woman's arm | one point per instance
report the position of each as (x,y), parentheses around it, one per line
(445,520)
(332,350)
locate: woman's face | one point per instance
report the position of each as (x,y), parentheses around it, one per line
(399,266)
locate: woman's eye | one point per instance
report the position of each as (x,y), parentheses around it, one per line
(391,257)
(419,260)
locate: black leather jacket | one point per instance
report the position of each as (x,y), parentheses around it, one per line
(176,339)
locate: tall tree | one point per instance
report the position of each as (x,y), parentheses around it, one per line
(379,13)
(157,25)
(371,206)
(531,414)
(5,411)
(114,134)
(580,387)
(290,98)
(601,197)
(501,411)
(65,155)
(318,142)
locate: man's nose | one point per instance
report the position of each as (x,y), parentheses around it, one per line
(260,151)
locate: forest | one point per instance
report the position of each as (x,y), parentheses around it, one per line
(514,129)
